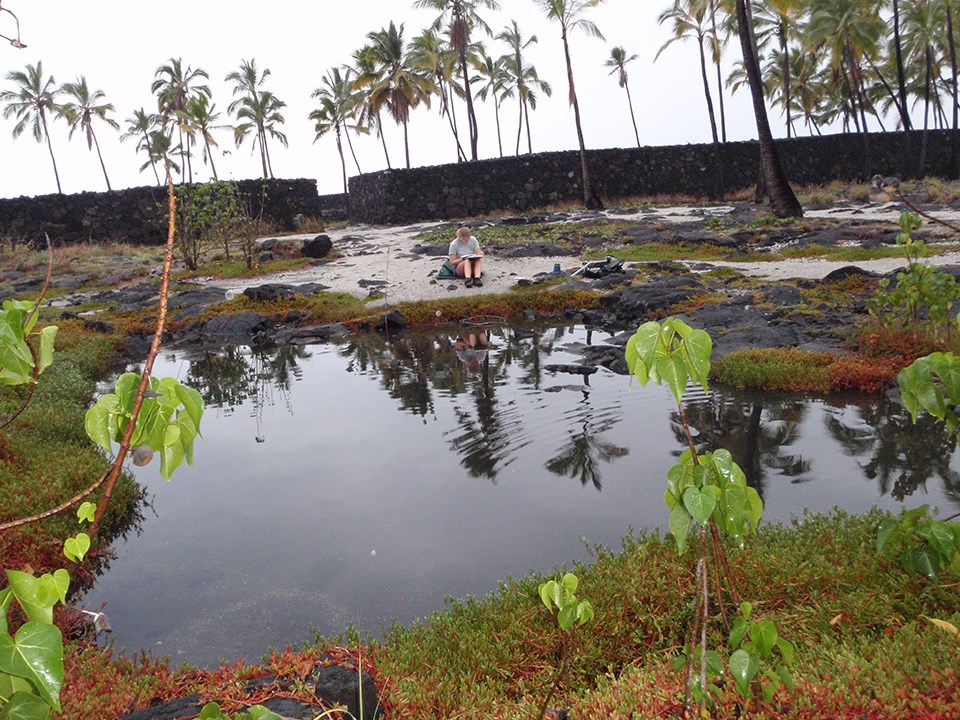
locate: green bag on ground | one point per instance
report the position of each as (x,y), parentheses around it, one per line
(446,271)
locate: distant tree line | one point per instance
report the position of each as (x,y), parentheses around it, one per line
(850,64)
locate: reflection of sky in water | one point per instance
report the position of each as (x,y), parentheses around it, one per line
(388,479)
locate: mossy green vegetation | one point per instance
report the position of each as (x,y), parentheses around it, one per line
(851,613)
(46,454)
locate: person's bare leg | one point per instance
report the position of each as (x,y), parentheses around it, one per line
(477,272)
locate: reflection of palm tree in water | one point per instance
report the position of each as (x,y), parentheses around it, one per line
(582,455)
(490,442)
(904,454)
(738,425)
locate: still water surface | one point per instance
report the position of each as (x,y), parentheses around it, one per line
(363,482)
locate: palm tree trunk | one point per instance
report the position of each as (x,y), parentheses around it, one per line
(210,155)
(383,141)
(706,93)
(590,199)
(782,199)
(354,154)
(46,134)
(723,114)
(954,168)
(526,121)
(406,144)
(445,105)
(102,166)
(496,114)
(901,83)
(633,119)
(153,161)
(520,123)
(263,152)
(785,71)
(343,169)
(471,116)
(926,113)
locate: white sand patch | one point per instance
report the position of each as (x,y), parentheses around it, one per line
(379,259)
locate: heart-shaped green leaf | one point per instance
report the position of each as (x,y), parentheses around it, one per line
(35,654)
(700,503)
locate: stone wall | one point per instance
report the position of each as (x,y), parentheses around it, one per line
(529,181)
(136,215)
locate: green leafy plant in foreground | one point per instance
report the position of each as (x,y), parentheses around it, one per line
(168,422)
(561,598)
(924,544)
(707,493)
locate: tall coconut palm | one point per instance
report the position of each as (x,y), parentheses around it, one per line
(31,103)
(401,87)
(85,105)
(783,201)
(429,53)
(338,105)
(461,18)
(523,76)
(174,85)
(259,109)
(923,23)
(367,75)
(496,86)
(689,19)
(618,62)
(569,13)
(139,127)
(845,32)
(261,117)
(202,118)
(778,19)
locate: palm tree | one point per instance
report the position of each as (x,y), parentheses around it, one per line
(689,20)
(569,14)
(923,23)
(778,18)
(338,106)
(463,18)
(31,102)
(432,55)
(783,201)
(496,86)
(400,87)
(139,127)
(368,75)
(80,111)
(523,76)
(174,85)
(618,61)
(202,118)
(259,110)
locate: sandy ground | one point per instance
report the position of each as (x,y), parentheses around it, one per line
(379,259)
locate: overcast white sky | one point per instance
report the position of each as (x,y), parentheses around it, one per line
(118,45)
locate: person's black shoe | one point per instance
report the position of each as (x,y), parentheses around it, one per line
(469,282)
(477,282)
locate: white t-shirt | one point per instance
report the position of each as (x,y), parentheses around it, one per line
(459,249)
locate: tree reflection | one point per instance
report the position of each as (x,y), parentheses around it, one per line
(584,454)
(902,455)
(755,429)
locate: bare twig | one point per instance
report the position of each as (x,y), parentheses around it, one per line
(62,507)
(928,216)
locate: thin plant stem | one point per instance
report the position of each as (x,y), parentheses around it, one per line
(115,469)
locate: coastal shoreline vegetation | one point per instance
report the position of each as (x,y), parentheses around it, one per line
(869,637)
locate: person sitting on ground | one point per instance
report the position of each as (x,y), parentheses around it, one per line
(467,257)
